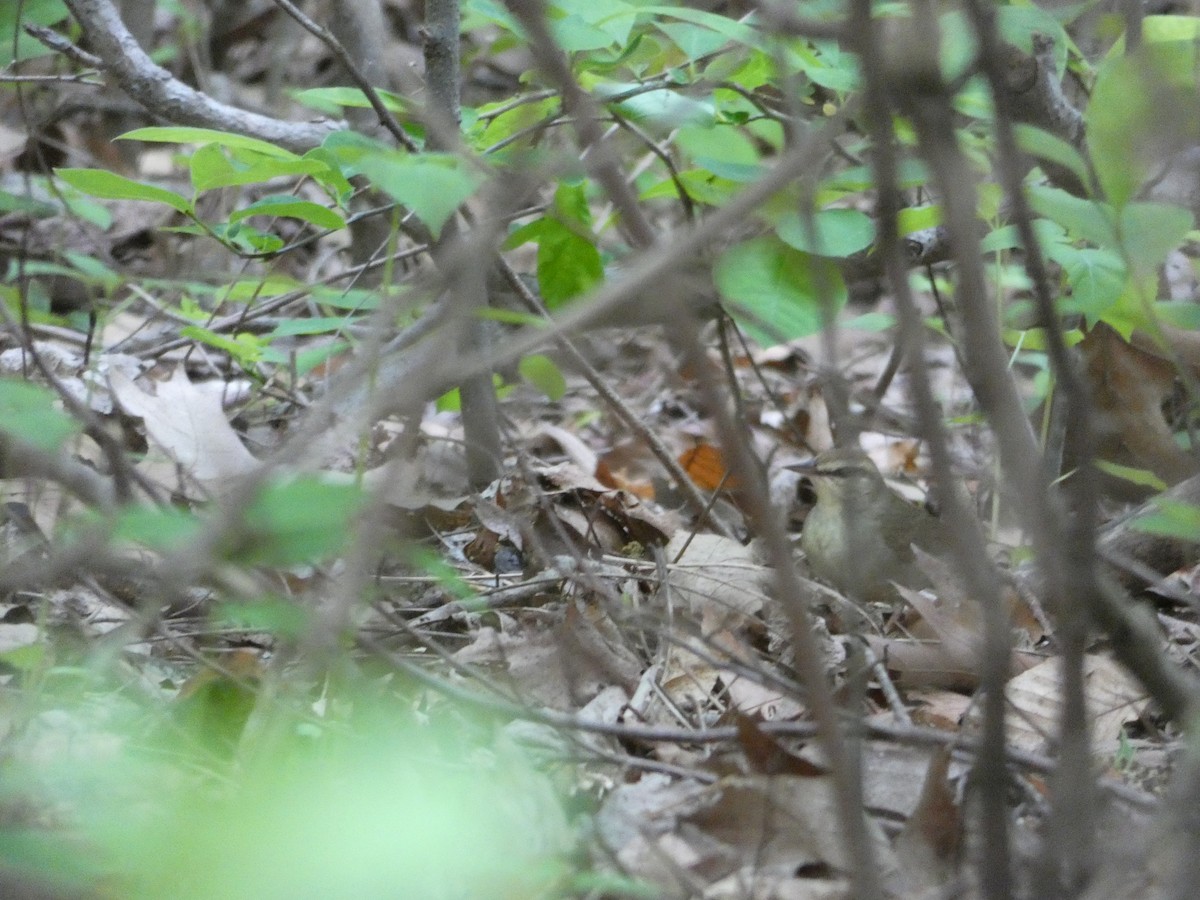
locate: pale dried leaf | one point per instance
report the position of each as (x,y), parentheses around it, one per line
(188,423)
(1113,698)
(717,578)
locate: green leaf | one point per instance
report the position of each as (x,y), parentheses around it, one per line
(1141,477)
(1050,147)
(568,263)
(1086,220)
(728,28)
(1150,231)
(28,413)
(33,12)
(1144,106)
(178,134)
(918,218)
(291,207)
(327,99)
(1171,518)
(161,528)
(1097,277)
(722,150)
(245,348)
(661,107)
(543,374)
(777,290)
(281,617)
(211,168)
(303,520)
(432,185)
(109,186)
(838,232)
(313,325)
(39,209)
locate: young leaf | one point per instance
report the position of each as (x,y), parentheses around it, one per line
(543,374)
(291,207)
(297,521)
(27,412)
(780,290)
(179,134)
(834,232)
(433,185)
(109,186)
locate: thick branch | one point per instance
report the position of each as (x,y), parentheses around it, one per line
(170,99)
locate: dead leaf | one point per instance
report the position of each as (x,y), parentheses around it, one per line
(189,424)
(1113,698)
(717,578)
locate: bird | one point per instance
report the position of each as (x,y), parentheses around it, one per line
(859,536)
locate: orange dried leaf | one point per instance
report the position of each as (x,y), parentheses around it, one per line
(705,465)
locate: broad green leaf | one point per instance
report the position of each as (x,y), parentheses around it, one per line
(568,263)
(1097,277)
(836,232)
(1180,313)
(432,185)
(245,348)
(729,28)
(614,18)
(1162,29)
(661,107)
(1171,518)
(543,374)
(211,168)
(109,186)
(312,325)
(571,204)
(281,617)
(161,528)
(28,413)
(694,40)
(1019,24)
(1144,107)
(1150,231)
(329,98)
(248,289)
(1050,147)
(298,521)
(39,209)
(1142,477)
(1006,237)
(291,207)
(722,150)
(777,290)
(33,12)
(918,218)
(1086,220)
(179,134)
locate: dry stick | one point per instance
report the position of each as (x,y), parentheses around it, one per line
(1072,577)
(970,551)
(685,484)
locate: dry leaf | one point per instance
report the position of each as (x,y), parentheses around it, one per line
(189,424)
(1113,698)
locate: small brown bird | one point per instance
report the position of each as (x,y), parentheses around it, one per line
(859,536)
